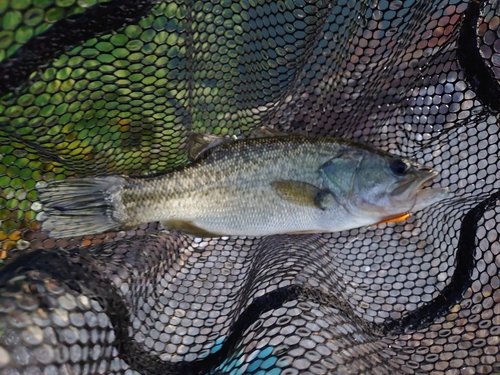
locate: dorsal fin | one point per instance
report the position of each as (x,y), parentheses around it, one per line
(265,132)
(200,143)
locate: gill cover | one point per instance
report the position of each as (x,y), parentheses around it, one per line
(338,174)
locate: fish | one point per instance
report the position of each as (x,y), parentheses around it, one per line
(249,187)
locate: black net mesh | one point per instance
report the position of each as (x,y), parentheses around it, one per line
(95,87)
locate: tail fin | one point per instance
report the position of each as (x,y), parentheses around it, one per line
(81,206)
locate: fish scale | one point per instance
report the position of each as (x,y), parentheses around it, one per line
(228,182)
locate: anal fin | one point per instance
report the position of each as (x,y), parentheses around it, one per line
(189,227)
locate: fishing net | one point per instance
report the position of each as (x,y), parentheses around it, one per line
(105,87)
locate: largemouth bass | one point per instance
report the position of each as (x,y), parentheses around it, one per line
(252,187)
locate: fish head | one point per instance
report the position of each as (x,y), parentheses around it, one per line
(379,186)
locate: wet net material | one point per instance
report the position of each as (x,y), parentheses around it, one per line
(95,87)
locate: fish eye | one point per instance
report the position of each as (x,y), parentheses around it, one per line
(399,167)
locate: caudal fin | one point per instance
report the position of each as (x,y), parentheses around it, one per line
(81,206)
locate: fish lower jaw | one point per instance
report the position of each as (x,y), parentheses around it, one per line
(429,197)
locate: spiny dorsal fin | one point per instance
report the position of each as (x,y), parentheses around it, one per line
(200,143)
(265,132)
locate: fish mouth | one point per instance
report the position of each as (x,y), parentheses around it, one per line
(413,190)
(427,176)
(415,183)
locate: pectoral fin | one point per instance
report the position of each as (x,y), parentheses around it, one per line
(303,194)
(324,199)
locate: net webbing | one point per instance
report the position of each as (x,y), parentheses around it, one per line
(95,87)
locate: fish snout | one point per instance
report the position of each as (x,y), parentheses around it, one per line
(425,175)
